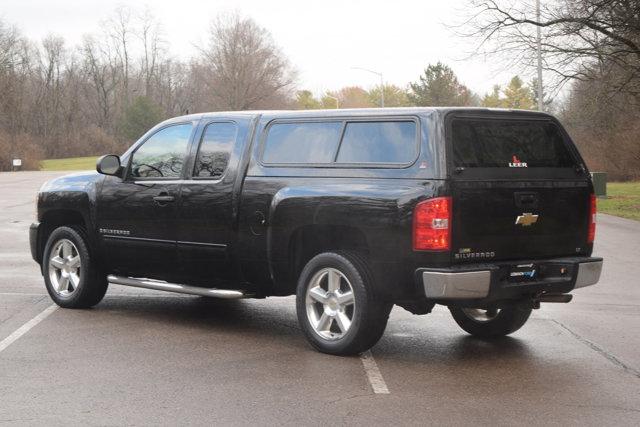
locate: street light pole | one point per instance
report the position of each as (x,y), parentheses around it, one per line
(381,91)
(335,99)
(381,82)
(539,43)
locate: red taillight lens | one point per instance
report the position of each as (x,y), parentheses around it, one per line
(592,219)
(432,225)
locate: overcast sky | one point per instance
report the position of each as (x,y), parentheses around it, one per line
(323,39)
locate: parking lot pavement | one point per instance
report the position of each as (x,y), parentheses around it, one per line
(143,357)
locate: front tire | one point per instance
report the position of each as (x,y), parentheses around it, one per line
(491,323)
(336,307)
(72,278)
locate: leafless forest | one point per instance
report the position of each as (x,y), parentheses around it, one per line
(59,100)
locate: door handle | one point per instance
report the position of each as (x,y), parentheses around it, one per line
(163,198)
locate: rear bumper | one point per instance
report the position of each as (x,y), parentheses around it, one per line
(588,273)
(33,241)
(492,282)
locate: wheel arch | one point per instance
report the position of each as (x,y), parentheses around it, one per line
(309,240)
(364,218)
(54,218)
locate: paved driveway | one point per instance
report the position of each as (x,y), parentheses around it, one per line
(143,357)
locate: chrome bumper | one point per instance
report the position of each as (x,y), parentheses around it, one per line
(476,284)
(588,274)
(467,284)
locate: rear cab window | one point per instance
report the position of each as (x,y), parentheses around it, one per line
(302,142)
(342,143)
(378,142)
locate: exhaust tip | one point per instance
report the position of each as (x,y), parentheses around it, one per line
(561,298)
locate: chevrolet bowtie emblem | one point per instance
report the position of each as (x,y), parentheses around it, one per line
(526,219)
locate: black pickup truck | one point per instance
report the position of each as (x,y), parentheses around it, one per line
(489,212)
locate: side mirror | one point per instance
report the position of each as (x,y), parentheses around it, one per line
(109,165)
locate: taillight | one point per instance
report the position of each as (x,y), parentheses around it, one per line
(432,225)
(592,219)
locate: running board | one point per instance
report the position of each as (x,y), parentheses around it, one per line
(173,287)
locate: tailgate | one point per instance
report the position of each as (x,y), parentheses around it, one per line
(520,190)
(516,220)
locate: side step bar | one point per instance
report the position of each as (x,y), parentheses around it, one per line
(173,287)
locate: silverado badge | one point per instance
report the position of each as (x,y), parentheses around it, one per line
(526,219)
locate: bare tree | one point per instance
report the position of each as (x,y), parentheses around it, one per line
(50,90)
(11,44)
(119,30)
(102,75)
(174,89)
(242,67)
(606,128)
(149,34)
(15,77)
(582,39)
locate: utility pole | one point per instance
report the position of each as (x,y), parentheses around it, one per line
(539,43)
(381,82)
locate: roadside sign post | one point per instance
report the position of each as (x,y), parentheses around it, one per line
(16,164)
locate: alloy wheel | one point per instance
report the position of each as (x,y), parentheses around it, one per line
(64,267)
(330,304)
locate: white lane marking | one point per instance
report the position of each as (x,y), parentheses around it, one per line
(26,327)
(159,294)
(29,294)
(373,373)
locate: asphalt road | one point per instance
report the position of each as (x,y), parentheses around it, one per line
(143,357)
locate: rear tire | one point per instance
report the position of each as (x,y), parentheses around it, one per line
(491,324)
(336,307)
(72,278)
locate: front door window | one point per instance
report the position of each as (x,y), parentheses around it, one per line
(163,154)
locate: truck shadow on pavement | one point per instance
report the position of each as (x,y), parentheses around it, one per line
(455,346)
(275,319)
(411,350)
(248,319)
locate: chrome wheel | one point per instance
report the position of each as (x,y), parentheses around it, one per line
(64,267)
(330,303)
(480,315)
